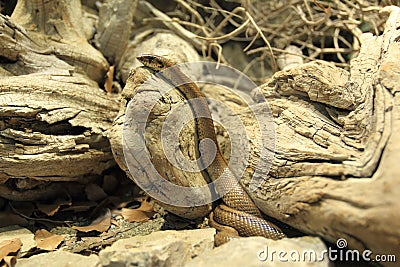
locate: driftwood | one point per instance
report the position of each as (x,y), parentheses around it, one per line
(336,148)
(332,174)
(172,45)
(53,114)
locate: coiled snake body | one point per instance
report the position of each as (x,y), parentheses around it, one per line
(238,214)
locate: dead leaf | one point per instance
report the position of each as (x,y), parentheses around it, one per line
(52,208)
(9,246)
(46,240)
(23,234)
(101,224)
(115,222)
(123,202)
(141,214)
(81,206)
(95,192)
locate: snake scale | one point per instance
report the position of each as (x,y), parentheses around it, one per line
(237,215)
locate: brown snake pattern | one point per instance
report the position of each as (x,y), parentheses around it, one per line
(238,211)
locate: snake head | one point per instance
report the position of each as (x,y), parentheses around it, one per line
(155,62)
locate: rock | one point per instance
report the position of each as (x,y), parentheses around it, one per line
(15,231)
(163,248)
(59,258)
(259,251)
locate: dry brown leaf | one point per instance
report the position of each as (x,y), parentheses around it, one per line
(81,206)
(95,192)
(147,205)
(9,246)
(51,209)
(123,202)
(118,202)
(46,240)
(115,222)
(135,215)
(101,224)
(141,214)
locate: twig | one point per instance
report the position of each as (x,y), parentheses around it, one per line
(267,27)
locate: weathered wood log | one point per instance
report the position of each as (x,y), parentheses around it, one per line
(333,173)
(114,28)
(54,116)
(180,50)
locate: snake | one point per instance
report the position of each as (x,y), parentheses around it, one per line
(237,215)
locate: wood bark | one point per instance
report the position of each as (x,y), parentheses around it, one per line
(333,173)
(54,116)
(145,97)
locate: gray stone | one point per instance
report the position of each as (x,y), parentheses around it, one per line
(59,258)
(163,248)
(259,251)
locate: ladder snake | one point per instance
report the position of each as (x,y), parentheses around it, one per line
(237,215)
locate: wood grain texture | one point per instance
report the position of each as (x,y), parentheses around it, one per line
(54,116)
(145,97)
(333,174)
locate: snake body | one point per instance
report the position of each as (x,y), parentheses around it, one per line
(238,211)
